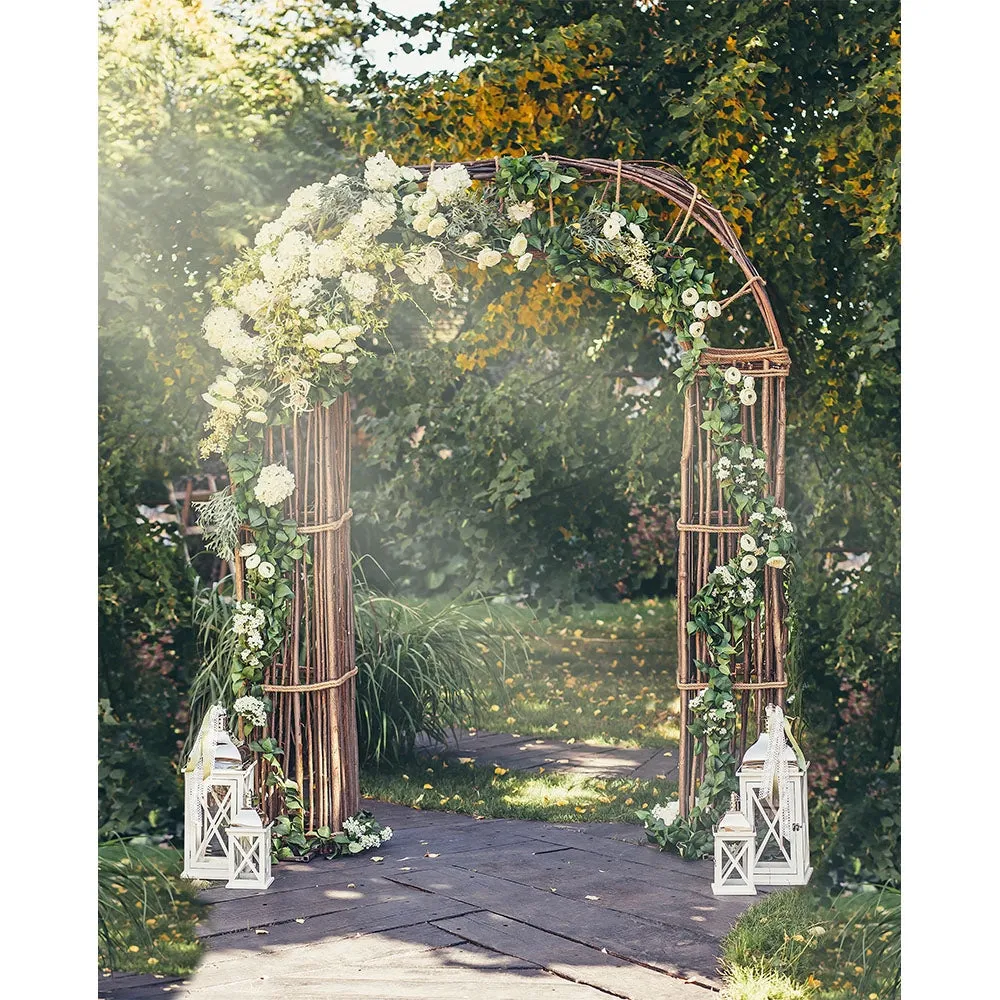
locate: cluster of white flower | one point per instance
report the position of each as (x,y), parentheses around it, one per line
(227,396)
(365,831)
(382,174)
(275,485)
(450,184)
(252,709)
(360,286)
(224,331)
(247,623)
(252,560)
(667,813)
(518,211)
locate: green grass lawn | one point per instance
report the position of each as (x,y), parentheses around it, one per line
(605,673)
(494,792)
(150,912)
(799,944)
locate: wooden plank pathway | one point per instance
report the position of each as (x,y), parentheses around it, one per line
(454,908)
(590,760)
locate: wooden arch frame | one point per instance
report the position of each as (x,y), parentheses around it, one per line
(313,683)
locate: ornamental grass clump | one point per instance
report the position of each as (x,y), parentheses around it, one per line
(421,670)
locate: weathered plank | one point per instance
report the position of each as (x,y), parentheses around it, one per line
(568,959)
(688,952)
(395,919)
(133,985)
(272,908)
(424,963)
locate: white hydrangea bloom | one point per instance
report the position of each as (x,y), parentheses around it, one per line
(305,292)
(381,172)
(327,259)
(360,286)
(222,324)
(667,813)
(253,298)
(275,485)
(449,184)
(269,232)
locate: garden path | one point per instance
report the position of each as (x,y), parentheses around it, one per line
(454,908)
(590,760)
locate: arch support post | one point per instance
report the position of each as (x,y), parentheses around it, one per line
(709,533)
(313,682)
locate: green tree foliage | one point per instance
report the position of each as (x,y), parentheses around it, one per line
(208,115)
(786,115)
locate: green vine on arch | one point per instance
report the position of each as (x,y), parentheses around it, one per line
(302,307)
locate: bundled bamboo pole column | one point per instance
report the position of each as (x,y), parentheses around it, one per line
(759,677)
(313,682)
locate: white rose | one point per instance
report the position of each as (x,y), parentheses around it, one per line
(426,204)
(437,226)
(253,561)
(747,381)
(635,231)
(714,309)
(331,358)
(696,329)
(524,261)
(776,562)
(733,375)
(748,397)
(487,258)
(617,218)
(257,416)
(352,360)
(266,570)
(701,310)
(421,222)
(748,563)
(248,549)
(610,230)
(748,543)
(689,296)
(518,245)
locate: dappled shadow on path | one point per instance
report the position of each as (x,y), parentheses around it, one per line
(462,908)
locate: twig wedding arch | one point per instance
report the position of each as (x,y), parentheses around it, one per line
(312,683)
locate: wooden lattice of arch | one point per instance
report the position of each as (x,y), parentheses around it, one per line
(313,683)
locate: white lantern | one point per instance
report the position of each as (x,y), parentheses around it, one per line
(774,794)
(249,852)
(734,853)
(217,785)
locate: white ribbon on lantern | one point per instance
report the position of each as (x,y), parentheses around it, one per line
(776,773)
